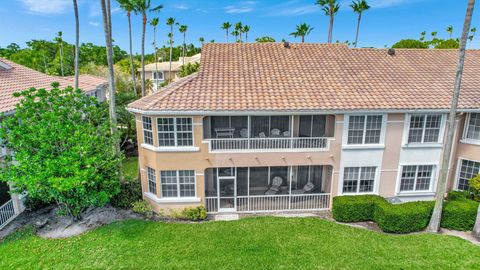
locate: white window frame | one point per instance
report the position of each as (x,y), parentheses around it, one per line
(465,131)
(150,180)
(175,133)
(459,167)
(178,185)
(432,184)
(375,181)
(422,143)
(159,72)
(148,130)
(346,124)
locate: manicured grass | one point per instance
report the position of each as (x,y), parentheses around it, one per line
(254,243)
(130,167)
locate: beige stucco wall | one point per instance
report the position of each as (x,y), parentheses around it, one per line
(202,159)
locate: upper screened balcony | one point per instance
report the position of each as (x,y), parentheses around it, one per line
(268,133)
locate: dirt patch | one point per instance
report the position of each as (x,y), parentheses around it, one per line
(48,224)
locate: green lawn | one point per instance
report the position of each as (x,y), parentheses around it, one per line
(253,243)
(130,167)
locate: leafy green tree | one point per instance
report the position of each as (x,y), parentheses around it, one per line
(359,7)
(410,44)
(447,44)
(188,69)
(330,7)
(264,39)
(63,149)
(302,31)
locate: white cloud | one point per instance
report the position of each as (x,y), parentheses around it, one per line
(95,10)
(180,6)
(389,3)
(295,11)
(93,23)
(47,6)
(242,7)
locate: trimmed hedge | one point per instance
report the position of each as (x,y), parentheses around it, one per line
(392,218)
(459,212)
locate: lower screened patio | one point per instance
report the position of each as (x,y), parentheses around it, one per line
(267,189)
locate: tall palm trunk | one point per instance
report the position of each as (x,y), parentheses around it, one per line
(171,52)
(131,53)
(183,47)
(61,57)
(358,29)
(303,39)
(77,41)
(227,35)
(330,28)
(434,224)
(155,52)
(144,15)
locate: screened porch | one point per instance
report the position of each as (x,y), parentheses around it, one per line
(262,189)
(237,133)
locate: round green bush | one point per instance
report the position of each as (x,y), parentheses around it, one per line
(459,214)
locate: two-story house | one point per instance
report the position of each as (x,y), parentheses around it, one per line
(279,126)
(15,78)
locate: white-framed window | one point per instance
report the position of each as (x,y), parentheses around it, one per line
(178,183)
(424,128)
(152,180)
(175,131)
(468,169)
(364,129)
(359,179)
(472,130)
(147,130)
(416,178)
(157,75)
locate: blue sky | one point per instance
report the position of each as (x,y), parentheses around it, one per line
(386,22)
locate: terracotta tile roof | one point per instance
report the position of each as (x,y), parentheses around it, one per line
(19,78)
(270,77)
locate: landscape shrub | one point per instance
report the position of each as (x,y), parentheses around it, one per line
(130,192)
(474,184)
(403,218)
(195,213)
(143,208)
(459,212)
(355,208)
(393,218)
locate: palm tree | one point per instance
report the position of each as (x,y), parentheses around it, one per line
(302,31)
(154,23)
(434,223)
(422,35)
(202,40)
(472,31)
(59,41)
(450,30)
(235,33)
(238,28)
(359,7)
(144,6)
(129,6)
(226,26)
(330,7)
(170,22)
(183,30)
(77,41)
(245,30)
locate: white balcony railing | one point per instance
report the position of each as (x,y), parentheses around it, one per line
(273,203)
(239,144)
(7,213)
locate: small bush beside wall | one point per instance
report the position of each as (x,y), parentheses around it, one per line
(393,218)
(459,212)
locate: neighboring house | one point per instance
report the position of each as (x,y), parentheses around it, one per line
(163,74)
(277,127)
(14,78)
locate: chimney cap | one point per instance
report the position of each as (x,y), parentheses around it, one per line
(391,51)
(286,44)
